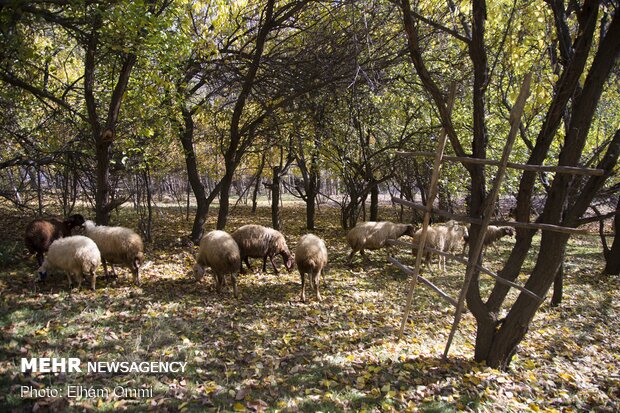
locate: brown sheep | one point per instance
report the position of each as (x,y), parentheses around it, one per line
(40,233)
(256,241)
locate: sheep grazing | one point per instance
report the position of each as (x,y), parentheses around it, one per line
(219,251)
(118,245)
(373,235)
(493,235)
(256,241)
(311,258)
(76,256)
(40,233)
(445,238)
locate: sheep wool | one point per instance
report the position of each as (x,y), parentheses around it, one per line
(118,245)
(373,235)
(311,258)
(219,251)
(40,233)
(76,256)
(444,238)
(256,241)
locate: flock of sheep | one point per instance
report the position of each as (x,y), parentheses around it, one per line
(224,253)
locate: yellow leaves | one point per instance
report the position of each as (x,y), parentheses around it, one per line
(327,383)
(239,407)
(287,338)
(360,383)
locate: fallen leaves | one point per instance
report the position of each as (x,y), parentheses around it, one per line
(267,351)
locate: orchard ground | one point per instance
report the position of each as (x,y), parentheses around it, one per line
(267,351)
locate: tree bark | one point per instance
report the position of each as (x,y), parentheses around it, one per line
(257,183)
(275,198)
(374,202)
(612,266)
(186,135)
(558,286)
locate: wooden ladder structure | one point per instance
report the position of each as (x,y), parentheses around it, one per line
(477,243)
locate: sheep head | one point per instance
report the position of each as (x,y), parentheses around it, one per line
(289,260)
(198,271)
(410,230)
(508,231)
(42,272)
(73,221)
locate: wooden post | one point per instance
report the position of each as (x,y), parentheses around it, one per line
(476,248)
(432,192)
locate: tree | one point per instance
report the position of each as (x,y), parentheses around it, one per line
(496,339)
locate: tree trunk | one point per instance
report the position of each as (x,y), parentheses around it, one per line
(311,194)
(275,198)
(149,205)
(558,286)
(202,203)
(226,184)
(257,183)
(102,193)
(374,202)
(612,266)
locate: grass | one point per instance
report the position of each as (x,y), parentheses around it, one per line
(267,351)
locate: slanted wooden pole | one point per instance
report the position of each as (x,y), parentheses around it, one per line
(432,193)
(561,169)
(409,271)
(397,242)
(515,224)
(476,247)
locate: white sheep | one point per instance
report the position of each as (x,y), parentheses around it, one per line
(219,251)
(311,258)
(373,235)
(76,255)
(118,245)
(493,234)
(445,238)
(256,241)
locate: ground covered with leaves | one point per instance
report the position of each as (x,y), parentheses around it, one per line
(267,351)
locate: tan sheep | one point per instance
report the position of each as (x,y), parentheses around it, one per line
(373,235)
(75,256)
(118,245)
(447,238)
(493,234)
(311,258)
(256,241)
(219,251)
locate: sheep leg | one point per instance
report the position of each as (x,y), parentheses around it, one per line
(303,287)
(70,281)
(93,280)
(113,271)
(216,281)
(350,257)
(233,280)
(241,270)
(363,254)
(40,258)
(79,278)
(135,269)
(315,278)
(105,267)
